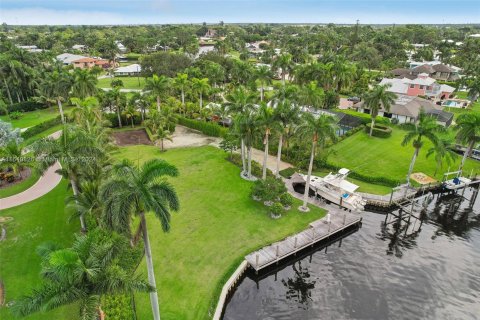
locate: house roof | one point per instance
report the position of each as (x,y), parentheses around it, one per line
(446,88)
(84,60)
(130,68)
(68,58)
(396,85)
(424,69)
(408,106)
(400,71)
(102,62)
(442,68)
(421,81)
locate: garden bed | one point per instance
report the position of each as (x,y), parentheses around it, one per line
(131,137)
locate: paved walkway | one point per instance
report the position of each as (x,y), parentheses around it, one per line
(49,180)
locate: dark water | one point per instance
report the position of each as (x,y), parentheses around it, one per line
(378,272)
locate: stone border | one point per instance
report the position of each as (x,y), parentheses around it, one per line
(227,287)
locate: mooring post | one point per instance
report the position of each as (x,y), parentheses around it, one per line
(295,244)
(313,235)
(329,224)
(256,261)
(344,218)
(341,201)
(391,197)
(277,251)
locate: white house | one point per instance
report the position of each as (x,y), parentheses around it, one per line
(79,47)
(121,47)
(68,58)
(130,70)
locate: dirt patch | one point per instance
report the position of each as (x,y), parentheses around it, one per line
(25,174)
(186,137)
(131,137)
(422,178)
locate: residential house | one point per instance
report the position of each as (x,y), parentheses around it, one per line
(434,69)
(422,85)
(211,33)
(79,47)
(30,48)
(121,47)
(84,63)
(68,58)
(406,109)
(130,70)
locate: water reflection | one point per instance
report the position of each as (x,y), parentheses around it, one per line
(389,269)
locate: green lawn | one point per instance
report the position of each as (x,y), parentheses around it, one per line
(34,223)
(29,119)
(19,187)
(386,157)
(218,224)
(128,82)
(42,135)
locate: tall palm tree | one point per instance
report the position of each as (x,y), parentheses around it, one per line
(377,98)
(135,191)
(87,113)
(264,75)
(468,132)
(84,84)
(201,87)
(442,152)
(130,113)
(287,114)
(181,82)
(11,156)
(75,150)
(425,127)
(116,98)
(240,101)
(141,102)
(318,130)
(311,95)
(268,122)
(81,275)
(474,89)
(57,85)
(159,86)
(285,64)
(246,125)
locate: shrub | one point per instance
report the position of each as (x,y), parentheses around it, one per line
(15,115)
(365,117)
(118,307)
(26,106)
(379,131)
(394,120)
(208,128)
(276,210)
(287,173)
(32,131)
(113,119)
(269,189)
(286,199)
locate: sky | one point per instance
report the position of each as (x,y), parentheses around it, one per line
(87,12)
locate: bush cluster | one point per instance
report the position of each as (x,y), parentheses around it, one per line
(379,131)
(25,106)
(208,128)
(113,119)
(32,131)
(365,117)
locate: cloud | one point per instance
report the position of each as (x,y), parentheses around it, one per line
(41,16)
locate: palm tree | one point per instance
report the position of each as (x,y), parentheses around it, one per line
(246,125)
(130,113)
(311,95)
(181,82)
(287,114)
(377,98)
(200,86)
(11,156)
(75,150)
(468,132)
(240,101)
(87,113)
(425,127)
(474,89)
(87,202)
(84,84)
(269,122)
(116,97)
(81,275)
(318,130)
(285,64)
(442,151)
(264,75)
(57,85)
(162,135)
(136,191)
(158,86)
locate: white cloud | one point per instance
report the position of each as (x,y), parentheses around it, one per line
(41,16)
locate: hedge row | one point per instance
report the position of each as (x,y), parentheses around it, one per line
(39,128)
(25,106)
(209,128)
(365,117)
(113,119)
(379,131)
(366,178)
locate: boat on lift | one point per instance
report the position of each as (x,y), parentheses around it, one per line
(335,188)
(457,182)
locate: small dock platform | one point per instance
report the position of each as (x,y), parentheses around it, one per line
(319,230)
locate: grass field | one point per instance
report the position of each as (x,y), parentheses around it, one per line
(217,225)
(34,223)
(128,82)
(29,119)
(386,157)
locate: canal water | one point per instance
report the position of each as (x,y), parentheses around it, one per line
(384,270)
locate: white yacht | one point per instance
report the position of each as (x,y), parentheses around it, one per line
(335,188)
(457,182)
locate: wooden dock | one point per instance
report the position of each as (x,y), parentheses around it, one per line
(319,230)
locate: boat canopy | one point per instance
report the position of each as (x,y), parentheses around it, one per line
(343,184)
(344,171)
